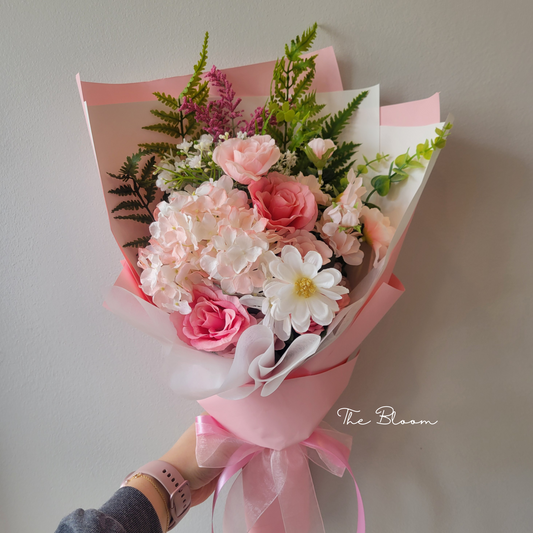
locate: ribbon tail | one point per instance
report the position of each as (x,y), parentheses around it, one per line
(298,502)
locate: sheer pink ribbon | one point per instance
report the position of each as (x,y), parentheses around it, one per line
(268,475)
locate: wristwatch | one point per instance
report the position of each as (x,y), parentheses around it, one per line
(173,482)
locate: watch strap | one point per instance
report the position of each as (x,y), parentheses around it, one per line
(173,482)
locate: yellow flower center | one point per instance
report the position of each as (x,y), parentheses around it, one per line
(305,287)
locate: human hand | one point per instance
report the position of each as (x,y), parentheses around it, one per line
(202,481)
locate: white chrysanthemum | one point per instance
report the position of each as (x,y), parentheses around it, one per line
(302,292)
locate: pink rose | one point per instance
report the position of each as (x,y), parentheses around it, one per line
(215,322)
(246,160)
(284,202)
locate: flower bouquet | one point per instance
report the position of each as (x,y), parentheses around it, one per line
(260,219)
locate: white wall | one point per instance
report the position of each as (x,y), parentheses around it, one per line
(81,402)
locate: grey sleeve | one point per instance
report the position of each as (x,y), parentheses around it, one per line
(128,511)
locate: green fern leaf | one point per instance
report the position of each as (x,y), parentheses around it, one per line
(141,242)
(304,64)
(303,85)
(131,165)
(171,117)
(128,205)
(123,190)
(301,44)
(167,129)
(148,169)
(337,123)
(157,148)
(194,82)
(138,217)
(168,100)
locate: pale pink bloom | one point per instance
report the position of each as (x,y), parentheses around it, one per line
(343,243)
(232,259)
(321,146)
(246,160)
(304,241)
(246,219)
(171,229)
(286,203)
(377,231)
(250,280)
(354,191)
(237,249)
(314,186)
(216,320)
(348,206)
(168,285)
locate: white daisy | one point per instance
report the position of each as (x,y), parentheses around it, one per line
(301,291)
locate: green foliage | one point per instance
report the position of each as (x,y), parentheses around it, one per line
(195,86)
(141,242)
(128,205)
(301,44)
(140,186)
(157,148)
(339,165)
(336,124)
(175,123)
(293,106)
(400,167)
(426,150)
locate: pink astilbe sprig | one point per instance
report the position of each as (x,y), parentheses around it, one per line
(255,124)
(222,115)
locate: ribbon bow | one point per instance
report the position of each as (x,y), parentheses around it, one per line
(273,477)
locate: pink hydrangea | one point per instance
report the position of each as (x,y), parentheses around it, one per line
(246,160)
(216,320)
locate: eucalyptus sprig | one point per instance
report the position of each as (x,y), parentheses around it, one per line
(399,168)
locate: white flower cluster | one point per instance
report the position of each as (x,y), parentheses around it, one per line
(210,234)
(191,156)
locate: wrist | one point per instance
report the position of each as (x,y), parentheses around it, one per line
(172,490)
(156,495)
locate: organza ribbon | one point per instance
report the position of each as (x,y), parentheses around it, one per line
(268,475)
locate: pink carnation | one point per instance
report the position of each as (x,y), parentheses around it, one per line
(284,202)
(246,160)
(216,320)
(377,231)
